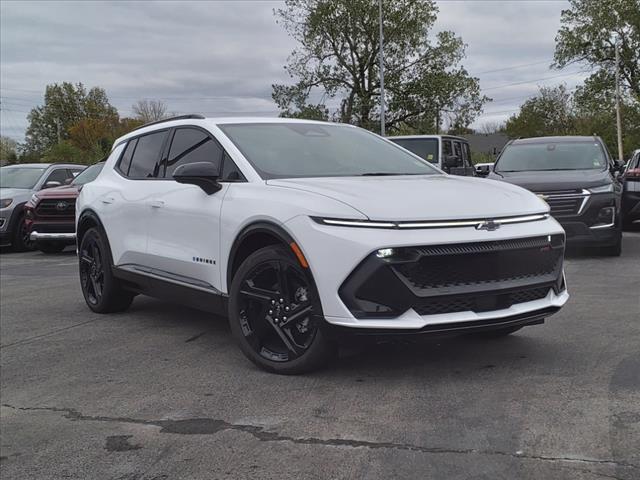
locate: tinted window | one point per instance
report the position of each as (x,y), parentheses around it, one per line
(146,158)
(290,150)
(457,149)
(447,149)
(60,175)
(466,154)
(425,148)
(125,161)
(190,145)
(552,156)
(230,171)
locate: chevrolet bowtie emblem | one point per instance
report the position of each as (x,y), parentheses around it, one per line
(488,225)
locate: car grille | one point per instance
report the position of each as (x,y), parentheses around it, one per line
(480,303)
(563,202)
(59,207)
(481,265)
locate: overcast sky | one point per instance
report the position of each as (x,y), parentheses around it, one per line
(221,57)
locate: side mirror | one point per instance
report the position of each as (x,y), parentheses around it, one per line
(203,174)
(68,181)
(51,184)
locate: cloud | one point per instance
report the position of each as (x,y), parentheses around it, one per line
(221,57)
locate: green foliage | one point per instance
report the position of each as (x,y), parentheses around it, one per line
(66,152)
(481,157)
(338,58)
(64,106)
(550,113)
(588,33)
(8,150)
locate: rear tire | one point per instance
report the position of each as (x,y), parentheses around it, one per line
(102,291)
(275,314)
(50,247)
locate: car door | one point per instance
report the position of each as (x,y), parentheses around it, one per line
(125,207)
(184,221)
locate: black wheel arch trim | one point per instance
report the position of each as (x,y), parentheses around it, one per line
(16,213)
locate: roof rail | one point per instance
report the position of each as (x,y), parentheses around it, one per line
(169,119)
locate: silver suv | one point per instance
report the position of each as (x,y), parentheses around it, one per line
(17,184)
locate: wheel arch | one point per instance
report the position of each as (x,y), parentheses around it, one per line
(251,238)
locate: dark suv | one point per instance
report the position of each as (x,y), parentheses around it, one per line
(579,180)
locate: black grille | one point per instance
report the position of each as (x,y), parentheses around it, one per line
(562,205)
(530,260)
(479,303)
(59,207)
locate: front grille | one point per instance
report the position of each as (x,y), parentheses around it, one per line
(479,303)
(59,207)
(563,202)
(482,264)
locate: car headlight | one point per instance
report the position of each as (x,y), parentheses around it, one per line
(5,202)
(602,189)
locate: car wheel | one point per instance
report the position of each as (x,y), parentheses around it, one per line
(500,332)
(102,291)
(50,247)
(21,241)
(275,314)
(616,249)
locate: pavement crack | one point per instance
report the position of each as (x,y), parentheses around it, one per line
(27,340)
(195,337)
(209,426)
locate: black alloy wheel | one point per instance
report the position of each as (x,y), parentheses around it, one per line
(91,270)
(275,313)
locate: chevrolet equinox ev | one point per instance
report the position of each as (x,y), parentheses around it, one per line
(303,232)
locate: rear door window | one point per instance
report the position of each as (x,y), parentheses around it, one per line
(146,157)
(447,149)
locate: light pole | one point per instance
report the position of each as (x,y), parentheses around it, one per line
(618,116)
(382,99)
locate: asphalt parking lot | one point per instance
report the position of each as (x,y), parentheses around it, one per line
(162,392)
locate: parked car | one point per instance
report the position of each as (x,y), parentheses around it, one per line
(631,191)
(17,184)
(577,177)
(451,154)
(304,232)
(50,214)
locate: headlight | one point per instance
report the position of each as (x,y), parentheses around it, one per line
(5,202)
(602,189)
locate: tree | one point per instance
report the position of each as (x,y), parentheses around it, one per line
(549,113)
(8,150)
(338,59)
(64,105)
(588,34)
(149,110)
(490,127)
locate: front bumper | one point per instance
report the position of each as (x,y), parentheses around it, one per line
(53,237)
(334,253)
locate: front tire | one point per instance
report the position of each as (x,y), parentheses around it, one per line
(21,241)
(275,314)
(102,291)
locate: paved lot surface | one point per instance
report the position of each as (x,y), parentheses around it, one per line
(161,392)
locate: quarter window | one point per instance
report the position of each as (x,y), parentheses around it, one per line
(190,145)
(125,161)
(146,158)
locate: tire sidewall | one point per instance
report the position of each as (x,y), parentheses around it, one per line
(105,254)
(319,351)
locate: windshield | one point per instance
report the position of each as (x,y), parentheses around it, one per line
(425,148)
(552,156)
(294,150)
(89,174)
(20,177)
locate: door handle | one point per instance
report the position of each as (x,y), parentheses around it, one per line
(108,200)
(156,203)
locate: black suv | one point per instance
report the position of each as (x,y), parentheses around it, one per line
(579,180)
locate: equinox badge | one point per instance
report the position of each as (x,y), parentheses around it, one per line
(488,225)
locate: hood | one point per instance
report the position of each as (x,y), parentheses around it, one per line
(545,181)
(65,191)
(428,197)
(18,194)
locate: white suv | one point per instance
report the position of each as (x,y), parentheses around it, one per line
(305,231)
